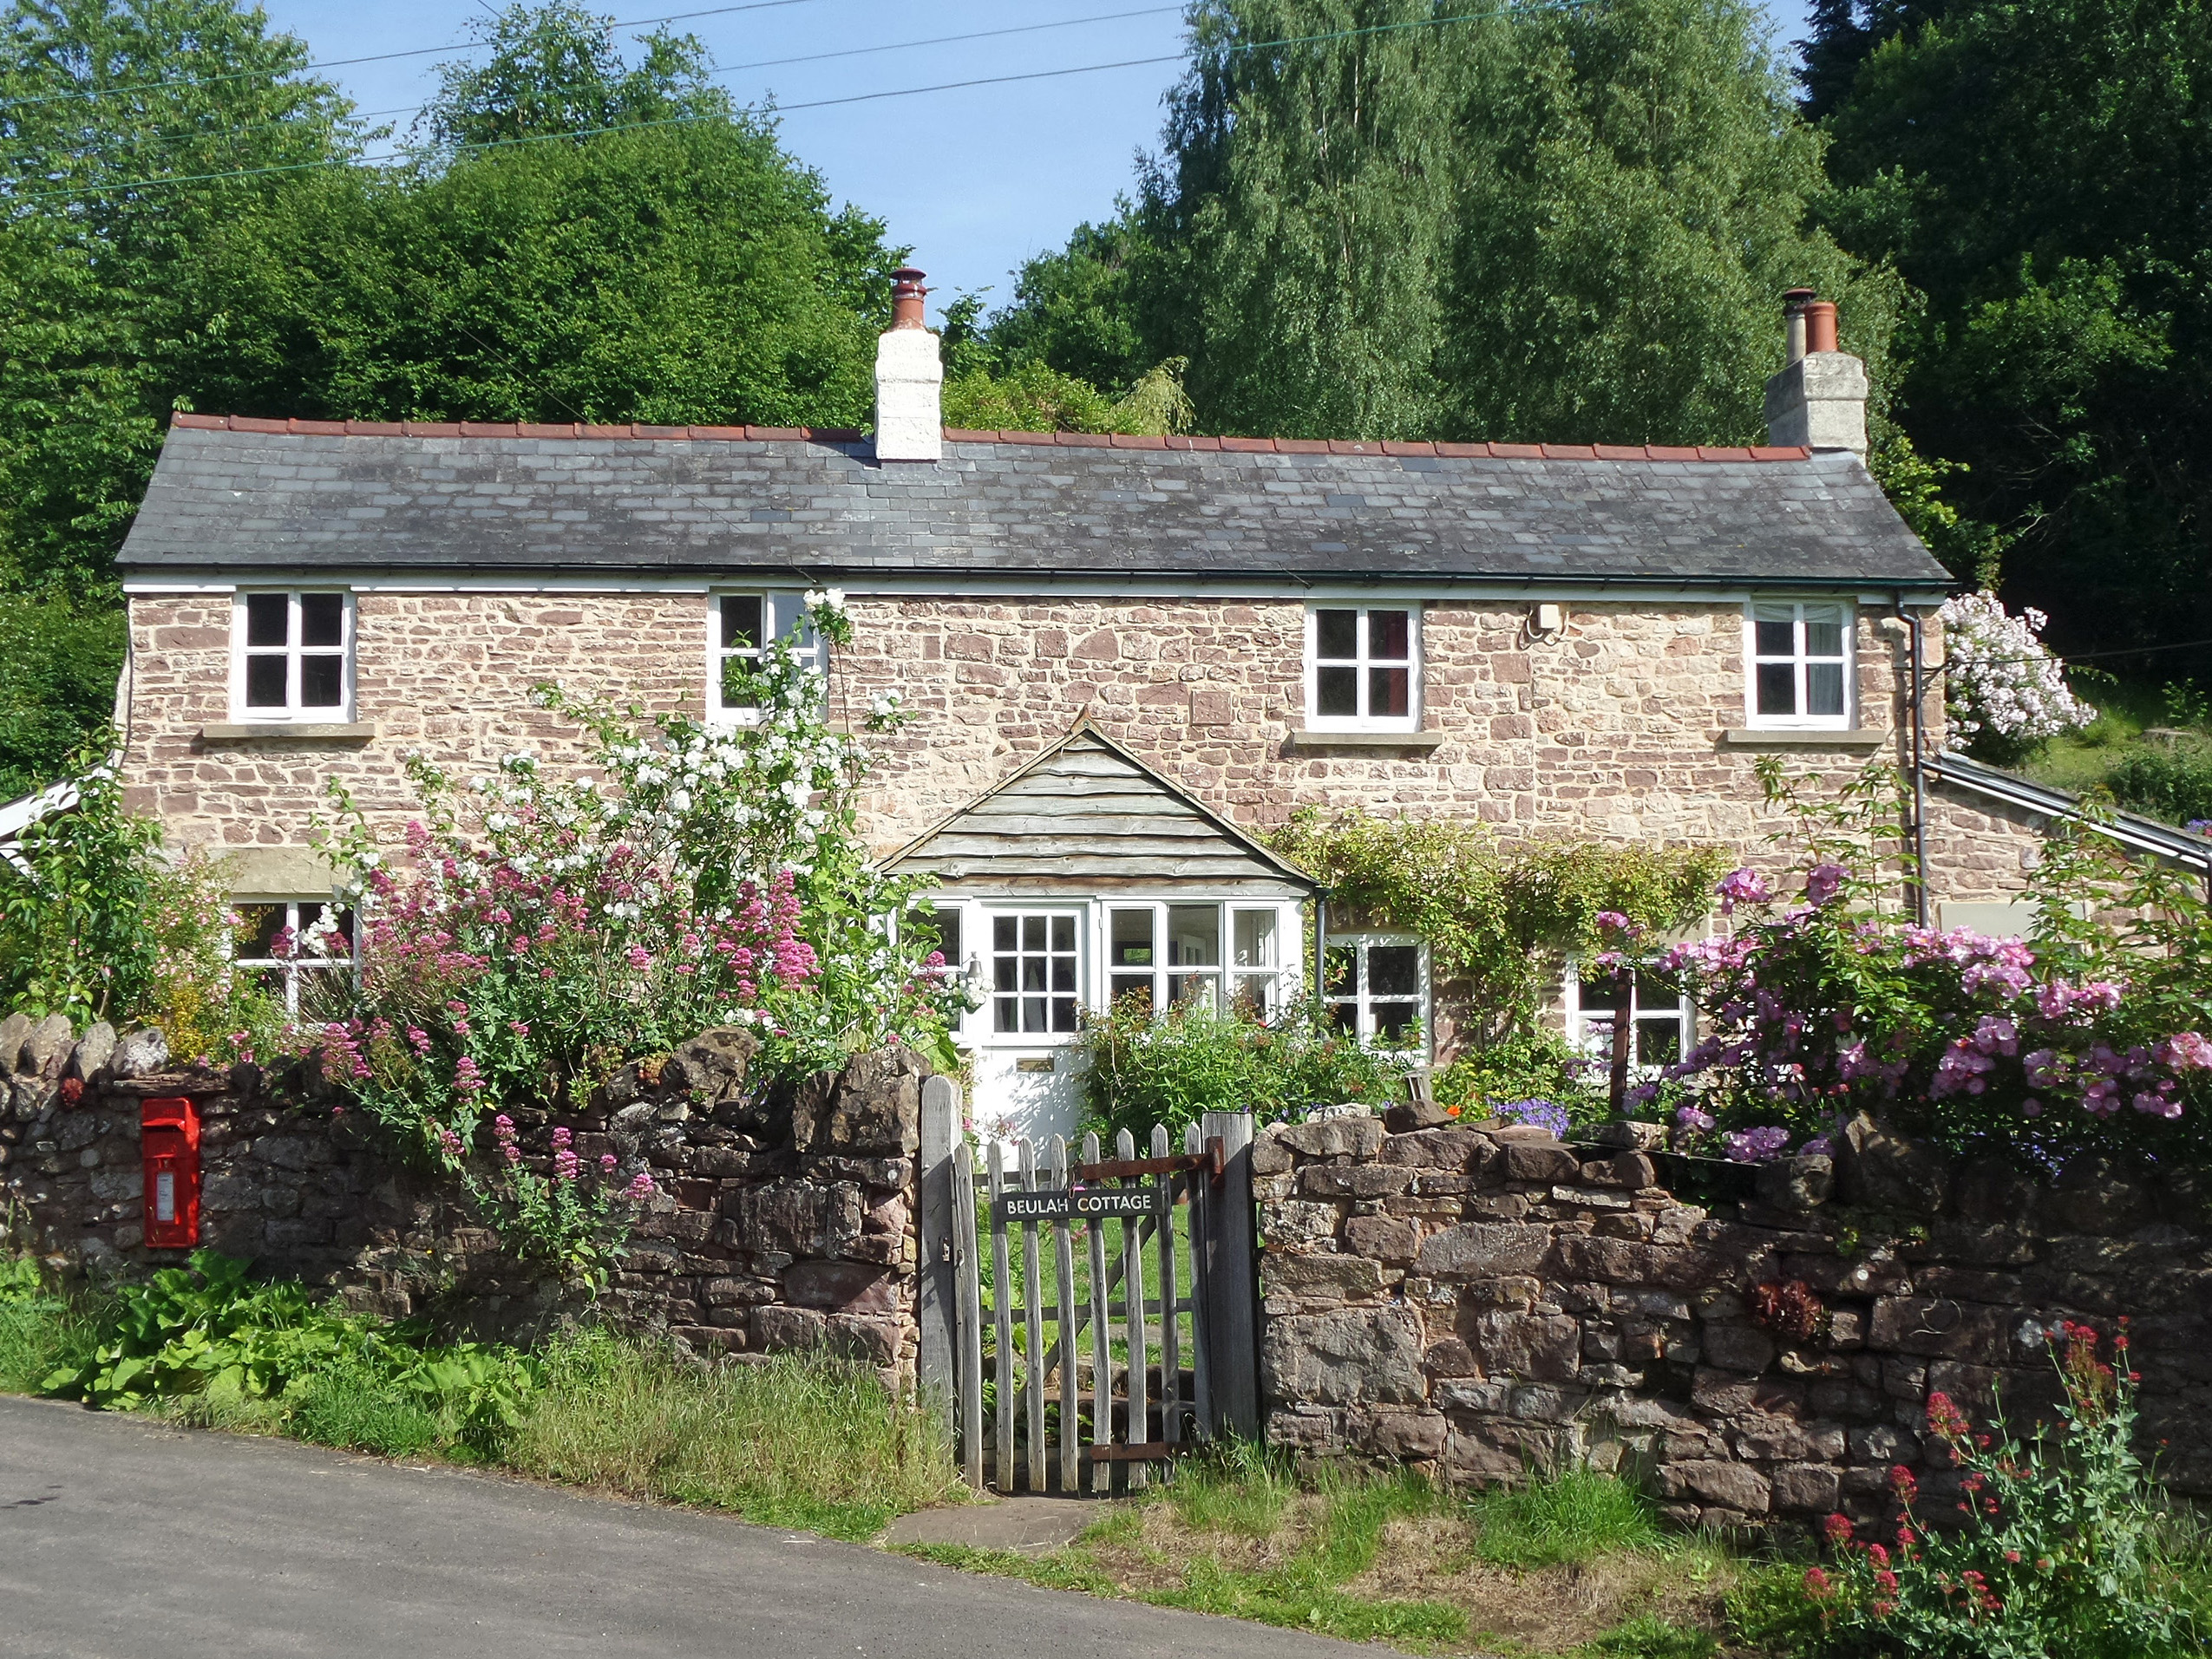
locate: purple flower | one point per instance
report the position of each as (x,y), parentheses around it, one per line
(606,1162)
(1743,887)
(1761,1145)
(2186,1050)
(1824,882)
(1544,1114)
(1691,1118)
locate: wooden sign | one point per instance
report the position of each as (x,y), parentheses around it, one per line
(1064,1203)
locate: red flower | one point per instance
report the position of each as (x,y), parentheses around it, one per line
(1907,1488)
(1838,1528)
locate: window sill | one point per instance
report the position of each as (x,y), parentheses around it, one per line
(294,731)
(1787,737)
(1313,740)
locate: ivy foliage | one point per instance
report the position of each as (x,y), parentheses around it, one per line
(1496,916)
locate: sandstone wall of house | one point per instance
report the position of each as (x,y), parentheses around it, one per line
(1613,729)
(1474,1303)
(781,1222)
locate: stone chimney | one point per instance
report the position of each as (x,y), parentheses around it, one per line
(909,378)
(1820,399)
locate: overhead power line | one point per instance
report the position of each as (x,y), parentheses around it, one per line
(149,139)
(373,57)
(1556,6)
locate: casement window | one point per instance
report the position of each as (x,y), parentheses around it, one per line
(1363,667)
(1161,955)
(742,624)
(292,656)
(1376,986)
(1799,663)
(1035,978)
(1659,1020)
(288,943)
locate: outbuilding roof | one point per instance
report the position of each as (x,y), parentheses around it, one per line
(243,498)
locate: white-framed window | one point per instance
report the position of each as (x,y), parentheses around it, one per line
(292,656)
(1375,985)
(1798,660)
(741,624)
(1035,969)
(1161,954)
(1363,667)
(289,941)
(1661,1020)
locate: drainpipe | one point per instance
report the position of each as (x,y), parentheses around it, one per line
(1320,944)
(1919,765)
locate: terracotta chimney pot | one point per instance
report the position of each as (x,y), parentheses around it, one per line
(906,296)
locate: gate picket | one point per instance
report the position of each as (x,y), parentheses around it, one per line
(968,1376)
(1132,1318)
(1171,1381)
(1102,1355)
(1033,1329)
(1202,1198)
(1002,1297)
(1063,1255)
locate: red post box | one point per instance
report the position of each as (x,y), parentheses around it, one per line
(169,1135)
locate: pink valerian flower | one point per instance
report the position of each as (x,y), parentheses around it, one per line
(563,1138)
(607,1163)
(1743,887)
(638,957)
(466,1077)
(641,1187)
(565,1165)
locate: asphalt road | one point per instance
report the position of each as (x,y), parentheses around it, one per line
(120,1537)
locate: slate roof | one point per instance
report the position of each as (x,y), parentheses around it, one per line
(238,496)
(1088,813)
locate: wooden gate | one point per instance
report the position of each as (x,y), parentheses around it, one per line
(1081,1312)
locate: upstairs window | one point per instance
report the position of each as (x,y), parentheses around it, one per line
(292,657)
(1363,668)
(1800,664)
(742,624)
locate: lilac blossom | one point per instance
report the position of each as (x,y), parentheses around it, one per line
(1759,1145)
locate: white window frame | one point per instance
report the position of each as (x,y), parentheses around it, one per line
(1589,1031)
(1270,978)
(293,969)
(1362,997)
(293,713)
(1363,722)
(984,949)
(810,649)
(1799,659)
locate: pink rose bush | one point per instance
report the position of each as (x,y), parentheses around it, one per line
(2090,1035)
(530,934)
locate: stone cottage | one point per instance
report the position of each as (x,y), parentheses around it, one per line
(1128,655)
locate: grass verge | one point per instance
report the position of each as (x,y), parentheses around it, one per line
(1573,1564)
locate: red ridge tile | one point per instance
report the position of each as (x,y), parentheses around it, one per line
(199,423)
(255,423)
(528,429)
(961,435)
(1781,451)
(1569,451)
(776,435)
(1393,447)
(490,429)
(1618,451)
(1302,446)
(1083,439)
(1722,453)
(1668,451)
(1189,441)
(639,430)
(1464,451)
(1249,446)
(1045,438)
(432,428)
(1137,441)
(1518,451)
(591,431)
(717,435)
(373,429)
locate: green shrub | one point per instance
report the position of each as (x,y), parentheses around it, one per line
(800,1440)
(1561,1519)
(2174,783)
(1146,1069)
(1521,1066)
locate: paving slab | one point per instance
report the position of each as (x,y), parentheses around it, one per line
(1027,1526)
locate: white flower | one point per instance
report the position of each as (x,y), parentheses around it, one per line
(834,598)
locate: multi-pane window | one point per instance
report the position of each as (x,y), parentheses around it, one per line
(1658,1014)
(1800,664)
(1161,955)
(293,652)
(1361,668)
(1376,986)
(287,942)
(1033,979)
(744,623)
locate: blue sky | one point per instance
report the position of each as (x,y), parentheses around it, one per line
(975,178)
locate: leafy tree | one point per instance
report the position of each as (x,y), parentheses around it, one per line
(1549,223)
(554,69)
(2035,169)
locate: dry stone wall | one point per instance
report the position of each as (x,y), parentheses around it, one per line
(1476,1304)
(784,1217)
